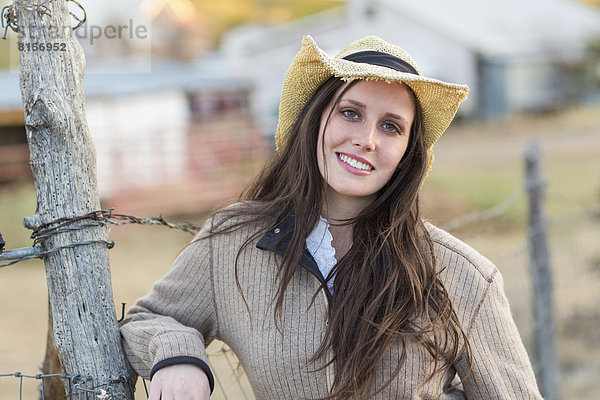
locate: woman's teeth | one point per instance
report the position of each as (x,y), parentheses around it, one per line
(356,164)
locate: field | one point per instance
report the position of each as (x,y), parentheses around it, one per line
(477,166)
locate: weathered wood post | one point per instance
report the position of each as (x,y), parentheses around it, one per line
(545,352)
(64,168)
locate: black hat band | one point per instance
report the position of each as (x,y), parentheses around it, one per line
(381,59)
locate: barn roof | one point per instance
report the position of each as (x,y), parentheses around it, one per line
(507,26)
(128,78)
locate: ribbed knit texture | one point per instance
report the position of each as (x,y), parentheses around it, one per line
(198,301)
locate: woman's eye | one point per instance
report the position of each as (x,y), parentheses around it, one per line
(350,114)
(391,128)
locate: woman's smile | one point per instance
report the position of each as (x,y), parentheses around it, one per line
(354,164)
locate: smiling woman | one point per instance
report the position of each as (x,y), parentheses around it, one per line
(323,278)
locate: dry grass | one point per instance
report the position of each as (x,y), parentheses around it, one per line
(477,165)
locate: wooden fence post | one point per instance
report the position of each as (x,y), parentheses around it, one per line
(545,352)
(64,168)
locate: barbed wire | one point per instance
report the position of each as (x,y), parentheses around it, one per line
(549,222)
(98,218)
(488,214)
(81,20)
(226,352)
(9,14)
(130,219)
(36,252)
(76,385)
(103,217)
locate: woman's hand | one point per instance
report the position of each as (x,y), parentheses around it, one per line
(179,382)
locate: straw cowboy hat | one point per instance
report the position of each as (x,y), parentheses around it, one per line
(367,58)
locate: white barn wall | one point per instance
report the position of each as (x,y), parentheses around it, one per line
(531,84)
(140,139)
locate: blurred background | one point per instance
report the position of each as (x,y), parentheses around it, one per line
(182,97)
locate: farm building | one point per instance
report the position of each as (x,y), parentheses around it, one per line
(189,126)
(515,55)
(175,140)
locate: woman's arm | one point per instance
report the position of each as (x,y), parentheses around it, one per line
(501,367)
(172,325)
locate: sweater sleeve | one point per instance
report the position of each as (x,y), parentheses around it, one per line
(500,365)
(174,323)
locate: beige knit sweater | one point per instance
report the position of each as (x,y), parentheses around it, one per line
(198,301)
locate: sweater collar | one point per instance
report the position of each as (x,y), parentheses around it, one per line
(281,234)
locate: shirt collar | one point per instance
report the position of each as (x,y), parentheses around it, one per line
(279,235)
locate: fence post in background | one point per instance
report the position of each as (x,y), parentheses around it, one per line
(63,160)
(545,351)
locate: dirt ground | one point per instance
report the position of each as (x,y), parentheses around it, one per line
(477,166)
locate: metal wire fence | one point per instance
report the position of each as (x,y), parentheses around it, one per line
(573,241)
(77,386)
(574,251)
(230,383)
(95,218)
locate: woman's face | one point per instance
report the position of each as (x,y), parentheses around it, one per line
(363,141)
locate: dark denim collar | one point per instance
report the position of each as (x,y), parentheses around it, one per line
(282,234)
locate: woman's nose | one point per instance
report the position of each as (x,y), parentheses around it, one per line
(366,137)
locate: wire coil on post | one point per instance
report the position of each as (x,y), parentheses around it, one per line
(98,218)
(8,15)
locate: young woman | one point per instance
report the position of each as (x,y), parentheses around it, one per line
(323,279)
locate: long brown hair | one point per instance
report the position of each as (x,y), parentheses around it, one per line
(387,288)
